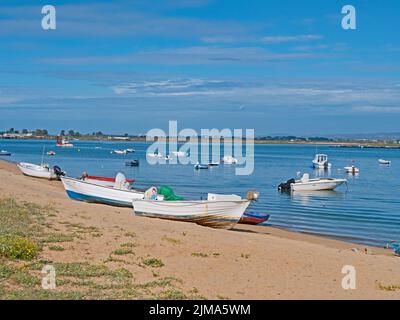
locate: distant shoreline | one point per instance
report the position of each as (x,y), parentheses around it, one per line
(334,143)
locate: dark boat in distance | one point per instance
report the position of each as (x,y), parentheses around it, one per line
(132,163)
(5,153)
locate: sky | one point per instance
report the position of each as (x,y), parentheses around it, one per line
(279,67)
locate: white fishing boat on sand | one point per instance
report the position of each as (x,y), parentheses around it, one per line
(103,181)
(321,161)
(120,194)
(218,211)
(307,184)
(40,171)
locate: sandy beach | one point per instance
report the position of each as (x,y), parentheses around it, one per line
(248,262)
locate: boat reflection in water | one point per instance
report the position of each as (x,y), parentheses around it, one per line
(306,198)
(322,173)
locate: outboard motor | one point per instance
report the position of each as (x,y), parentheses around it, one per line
(120,182)
(58,171)
(285,186)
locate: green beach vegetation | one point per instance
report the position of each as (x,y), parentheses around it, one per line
(26,234)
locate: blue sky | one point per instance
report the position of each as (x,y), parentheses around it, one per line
(280,67)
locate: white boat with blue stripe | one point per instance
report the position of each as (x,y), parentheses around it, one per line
(118,195)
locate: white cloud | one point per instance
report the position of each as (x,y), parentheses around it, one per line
(296,38)
(188,56)
(376,109)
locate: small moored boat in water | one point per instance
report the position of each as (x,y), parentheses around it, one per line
(321,161)
(254,218)
(307,184)
(229,160)
(132,163)
(199,166)
(218,211)
(179,153)
(5,153)
(352,169)
(119,151)
(40,171)
(64,143)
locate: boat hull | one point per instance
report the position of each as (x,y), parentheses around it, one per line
(201,166)
(320,185)
(64,145)
(215,214)
(253,218)
(36,171)
(351,170)
(90,192)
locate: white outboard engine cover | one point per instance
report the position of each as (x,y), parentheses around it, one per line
(305,178)
(120,181)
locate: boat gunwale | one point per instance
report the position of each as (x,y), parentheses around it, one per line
(134,190)
(239,201)
(323,180)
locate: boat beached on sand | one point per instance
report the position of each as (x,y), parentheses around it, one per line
(119,151)
(218,211)
(154,155)
(40,171)
(307,184)
(102,181)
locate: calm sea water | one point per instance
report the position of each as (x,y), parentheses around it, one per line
(368,211)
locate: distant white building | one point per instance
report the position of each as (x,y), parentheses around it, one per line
(16,135)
